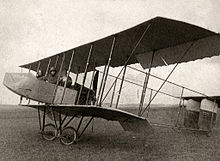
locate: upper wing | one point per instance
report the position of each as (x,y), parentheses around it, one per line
(192,50)
(129,121)
(162,33)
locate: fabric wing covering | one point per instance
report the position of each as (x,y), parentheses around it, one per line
(162,35)
(128,121)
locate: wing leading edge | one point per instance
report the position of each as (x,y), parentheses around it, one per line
(129,121)
(162,33)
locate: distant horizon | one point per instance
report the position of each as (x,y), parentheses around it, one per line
(34,30)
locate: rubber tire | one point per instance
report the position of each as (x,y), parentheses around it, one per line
(68,136)
(49,132)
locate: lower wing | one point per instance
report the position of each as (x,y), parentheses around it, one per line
(129,121)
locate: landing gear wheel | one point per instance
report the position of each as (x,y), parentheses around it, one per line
(68,136)
(49,132)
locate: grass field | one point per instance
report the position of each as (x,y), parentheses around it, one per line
(20,140)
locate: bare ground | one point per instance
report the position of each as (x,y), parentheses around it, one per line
(20,140)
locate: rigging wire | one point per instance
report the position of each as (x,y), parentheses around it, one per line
(132,52)
(167,77)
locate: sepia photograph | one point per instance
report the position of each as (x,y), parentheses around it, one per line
(108,80)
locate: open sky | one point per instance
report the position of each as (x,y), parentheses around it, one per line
(31,30)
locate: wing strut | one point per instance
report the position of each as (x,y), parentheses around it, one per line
(29,68)
(107,70)
(100,87)
(113,93)
(48,66)
(59,74)
(148,109)
(85,72)
(38,66)
(126,62)
(39,117)
(180,106)
(57,58)
(68,73)
(95,78)
(168,76)
(146,80)
(77,75)
(122,80)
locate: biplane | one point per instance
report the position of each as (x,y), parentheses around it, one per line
(156,42)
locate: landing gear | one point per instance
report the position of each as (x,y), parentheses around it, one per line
(49,132)
(67,134)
